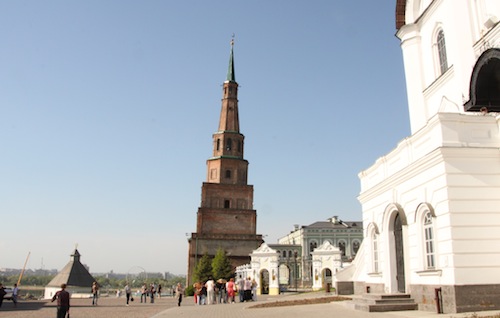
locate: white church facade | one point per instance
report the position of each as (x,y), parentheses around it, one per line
(431,207)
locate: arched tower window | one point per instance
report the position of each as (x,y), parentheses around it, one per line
(229,144)
(429,241)
(228,174)
(441,51)
(227,204)
(218,144)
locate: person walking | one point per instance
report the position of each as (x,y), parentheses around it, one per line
(144,290)
(159,291)
(230,286)
(95,293)
(152,293)
(2,293)
(210,285)
(179,291)
(62,297)
(128,293)
(15,292)
(241,289)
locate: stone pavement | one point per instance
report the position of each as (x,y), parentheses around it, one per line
(111,307)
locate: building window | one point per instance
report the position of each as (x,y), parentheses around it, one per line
(375,252)
(284,254)
(228,174)
(342,247)
(218,144)
(355,247)
(290,254)
(441,50)
(229,144)
(227,204)
(239,146)
(429,242)
(312,246)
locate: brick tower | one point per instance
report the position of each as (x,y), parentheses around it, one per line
(226,217)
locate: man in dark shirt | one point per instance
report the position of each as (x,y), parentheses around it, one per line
(62,297)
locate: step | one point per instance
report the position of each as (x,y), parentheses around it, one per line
(386,307)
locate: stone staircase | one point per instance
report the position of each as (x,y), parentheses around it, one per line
(384,302)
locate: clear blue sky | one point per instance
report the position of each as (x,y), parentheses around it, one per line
(107,110)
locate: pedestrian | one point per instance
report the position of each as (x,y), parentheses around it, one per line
(230,286)
(15,292)
(159,291)
(241,288)
(144,290)
(197,293)
(248,289)
(2,293)
(128,293)
(95,293)
(62,297)
(178,293)
(152,293)
(254,290)
(210,285)
(203,294)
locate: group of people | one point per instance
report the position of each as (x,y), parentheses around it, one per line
(150,291)
(222,291)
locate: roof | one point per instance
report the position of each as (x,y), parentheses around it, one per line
(73,274)
(338,225)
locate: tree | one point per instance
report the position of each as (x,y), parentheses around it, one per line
(203,269)
(221,265)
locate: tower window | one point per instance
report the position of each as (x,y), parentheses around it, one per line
(229,144)
(441,47)
(218,144)
(239,146)
(227,204)
(228,174)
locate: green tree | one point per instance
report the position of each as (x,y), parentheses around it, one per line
(221,265)
(203,269)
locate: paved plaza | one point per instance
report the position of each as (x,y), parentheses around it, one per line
(111,307)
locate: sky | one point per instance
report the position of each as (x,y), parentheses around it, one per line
(107,110)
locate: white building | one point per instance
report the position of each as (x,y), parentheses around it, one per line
(431,207)
(345,235)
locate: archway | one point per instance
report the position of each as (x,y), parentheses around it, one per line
(264,282)
(326,274)
(398,244)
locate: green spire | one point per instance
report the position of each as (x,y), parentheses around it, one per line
(230,70)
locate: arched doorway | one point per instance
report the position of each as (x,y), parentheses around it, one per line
(327,277)
(264,282)
(400,263)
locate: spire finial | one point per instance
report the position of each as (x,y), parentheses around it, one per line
(230,72)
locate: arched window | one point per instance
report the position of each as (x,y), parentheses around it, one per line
(290,254)
(374,252)
(441,51)
(284,254)
(229,144)
(355,247)
(239,146)
(429,242)
(227,204)
(342,247)
(312,246)
(228,174)
(218,144)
